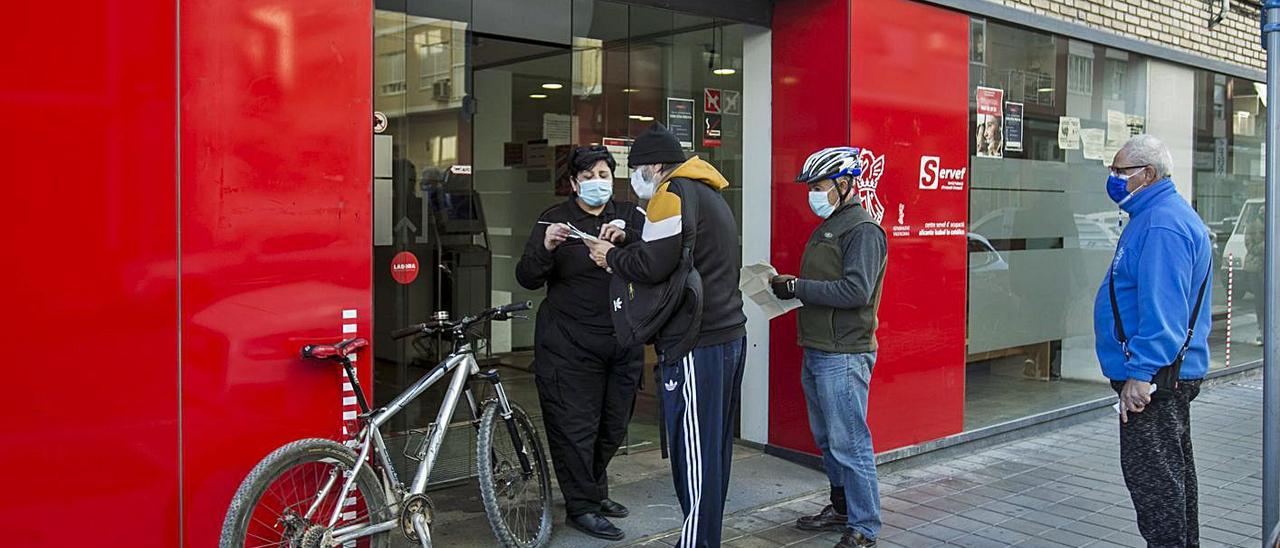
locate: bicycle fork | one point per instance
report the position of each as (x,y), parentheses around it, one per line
(504,406)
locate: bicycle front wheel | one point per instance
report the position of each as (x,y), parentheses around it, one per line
(517,501)
(283,501)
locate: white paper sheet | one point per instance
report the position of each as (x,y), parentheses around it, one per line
(755,285)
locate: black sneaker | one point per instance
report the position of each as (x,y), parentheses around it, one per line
(612,509)
(826,520)
(853,539)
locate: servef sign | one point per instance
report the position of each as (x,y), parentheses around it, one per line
(933,176)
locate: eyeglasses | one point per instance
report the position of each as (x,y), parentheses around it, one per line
(1122,169)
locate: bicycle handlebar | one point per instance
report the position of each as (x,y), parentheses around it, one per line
(406,331)
(501,312)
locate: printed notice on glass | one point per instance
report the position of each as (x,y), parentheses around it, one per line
(1095,141)
(754,283)
(1013,127)
(990,130)
(620,148)
(1117,127)
(1137,125)
(1068,133)
(680,120)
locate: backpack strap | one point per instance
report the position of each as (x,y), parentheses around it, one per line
(1191,322)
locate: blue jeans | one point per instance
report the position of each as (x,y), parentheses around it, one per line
(835,390)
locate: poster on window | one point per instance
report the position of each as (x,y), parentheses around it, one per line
(990,130)
(680,120)
(620,148)
(1094,143)
(1013,127)
(1068,133)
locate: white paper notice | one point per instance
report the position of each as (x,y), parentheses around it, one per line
(1068,133)
(557,129)
(755,285)
(1095,141)
(1117,127)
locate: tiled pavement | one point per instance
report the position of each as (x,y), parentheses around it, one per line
(1062,488)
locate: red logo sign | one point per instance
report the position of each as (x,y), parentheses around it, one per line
(711,100)
(404,267)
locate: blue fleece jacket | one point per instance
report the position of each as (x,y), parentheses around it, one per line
(1161,260)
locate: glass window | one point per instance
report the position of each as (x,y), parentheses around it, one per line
(1229,181)
(1042,229)
(392,73)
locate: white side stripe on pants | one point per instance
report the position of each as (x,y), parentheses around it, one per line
(693,454)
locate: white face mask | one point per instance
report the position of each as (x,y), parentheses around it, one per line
(642,185)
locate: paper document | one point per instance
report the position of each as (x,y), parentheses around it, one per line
(755,285)
(1117,405)
(573,231)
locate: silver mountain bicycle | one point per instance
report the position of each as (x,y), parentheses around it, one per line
(318,493)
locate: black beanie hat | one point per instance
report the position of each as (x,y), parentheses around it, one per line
(656,145)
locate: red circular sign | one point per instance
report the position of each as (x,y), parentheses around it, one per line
(404,267)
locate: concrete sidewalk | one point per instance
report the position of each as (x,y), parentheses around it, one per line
(1062,488)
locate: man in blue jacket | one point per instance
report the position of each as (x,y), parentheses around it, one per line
(1162,265)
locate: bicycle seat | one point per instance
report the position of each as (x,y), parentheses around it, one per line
(333,351)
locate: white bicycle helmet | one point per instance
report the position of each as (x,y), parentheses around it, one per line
(830,163)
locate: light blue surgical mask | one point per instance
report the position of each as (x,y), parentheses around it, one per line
(595,192)
(820,204)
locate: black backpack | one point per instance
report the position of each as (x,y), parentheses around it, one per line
(641,312)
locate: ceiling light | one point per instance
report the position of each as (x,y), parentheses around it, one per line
(629,90)
(1044,90)
(724,72)
(635,117)
(537,96)
(646,118)
(552,85)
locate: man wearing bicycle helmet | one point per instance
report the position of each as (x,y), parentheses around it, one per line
(841,274)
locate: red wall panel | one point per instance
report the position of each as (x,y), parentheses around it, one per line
(276,238)
(810,111)
(890,77)
(90,321)
(909,74)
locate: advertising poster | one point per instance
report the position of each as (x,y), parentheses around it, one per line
(1094,140)
(711,131)
(1013,127)
(990,130)
(680,120)
(1068,133)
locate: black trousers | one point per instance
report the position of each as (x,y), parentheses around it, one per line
(1160,470)
(587,387)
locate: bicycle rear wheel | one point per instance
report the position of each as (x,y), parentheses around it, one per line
(271,506)
(518,504)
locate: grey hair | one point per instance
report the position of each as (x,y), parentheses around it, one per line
(1147,150)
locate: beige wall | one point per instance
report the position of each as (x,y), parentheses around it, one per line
(1180,24)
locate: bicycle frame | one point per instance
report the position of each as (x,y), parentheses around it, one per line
(463,365)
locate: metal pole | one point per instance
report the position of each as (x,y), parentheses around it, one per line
(1271,356)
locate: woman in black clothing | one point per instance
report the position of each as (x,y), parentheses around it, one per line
(586,380)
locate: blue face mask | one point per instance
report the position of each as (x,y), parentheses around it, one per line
(595,192)
(820,204)
(1118,188)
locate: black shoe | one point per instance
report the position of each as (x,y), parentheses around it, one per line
(852,539)
(827,520)
(611,509)
(595,525)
